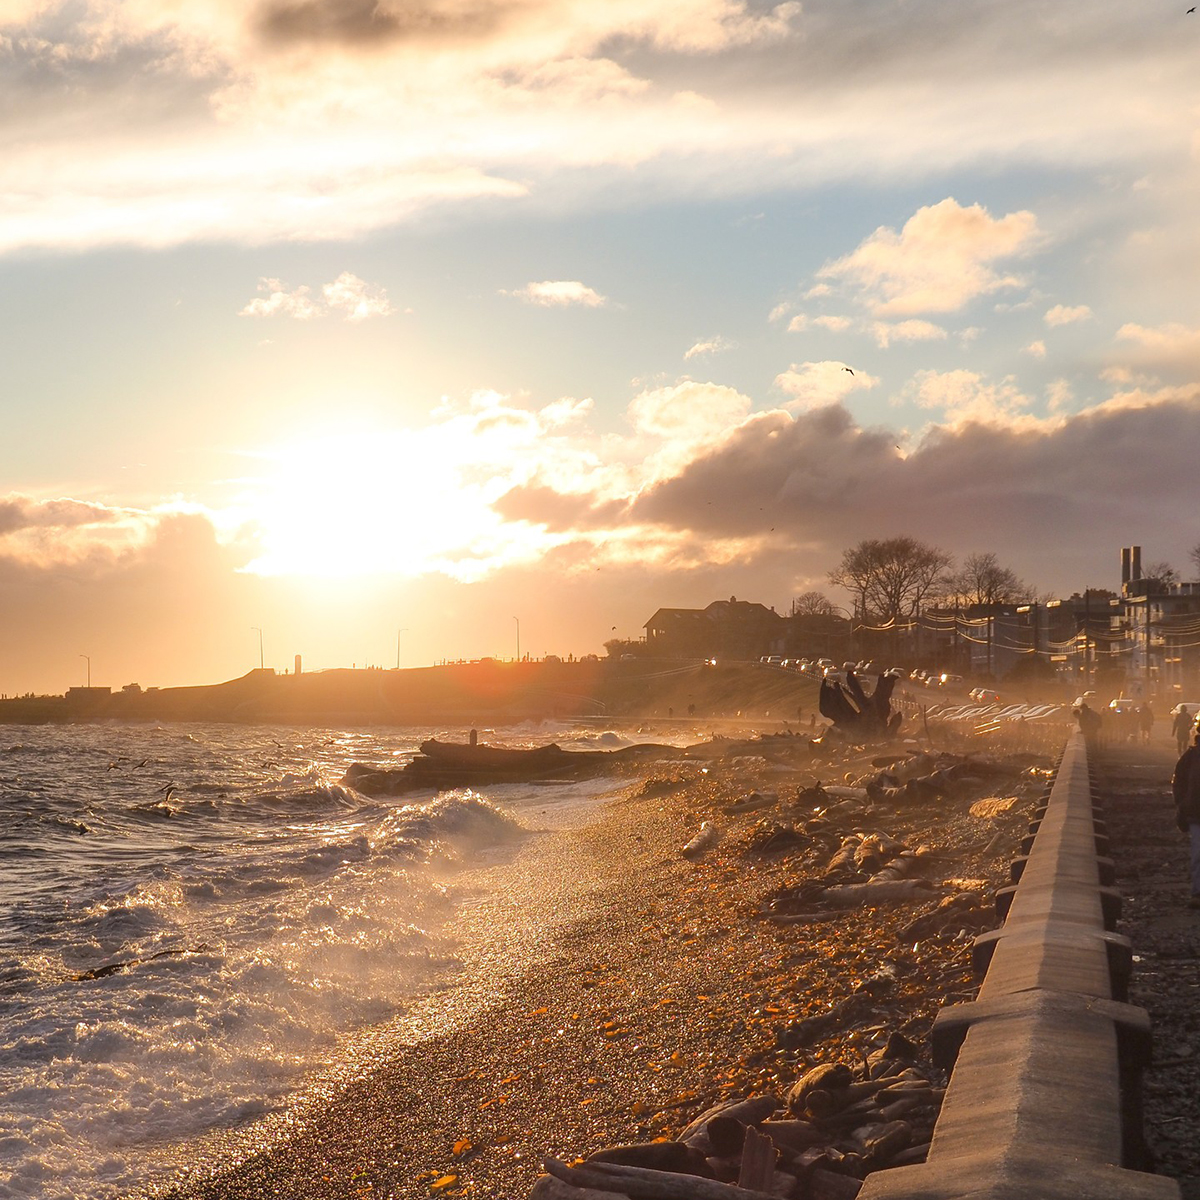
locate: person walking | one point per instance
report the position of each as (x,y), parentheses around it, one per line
(1145,718)
(1182,727)
(1185,787)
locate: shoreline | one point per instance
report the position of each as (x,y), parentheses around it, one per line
(649,986)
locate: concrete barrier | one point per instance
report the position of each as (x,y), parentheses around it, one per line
(1044,1099)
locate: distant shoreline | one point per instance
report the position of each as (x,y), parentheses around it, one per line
(604,692)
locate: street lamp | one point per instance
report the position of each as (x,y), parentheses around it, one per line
(89,668)
(398,633)
(518,621)
(256,629)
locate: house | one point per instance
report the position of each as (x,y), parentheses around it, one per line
(733,628)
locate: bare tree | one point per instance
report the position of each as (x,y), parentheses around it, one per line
(1161,573)
(982,580)
(813,604)
(890,578)
(1194,555)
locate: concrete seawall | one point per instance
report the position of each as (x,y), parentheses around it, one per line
(1044,1100)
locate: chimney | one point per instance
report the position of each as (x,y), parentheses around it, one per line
(1136,563)
(1124,564)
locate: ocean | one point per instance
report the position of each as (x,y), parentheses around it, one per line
(194,918)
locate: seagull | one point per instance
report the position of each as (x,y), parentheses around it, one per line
(847,369)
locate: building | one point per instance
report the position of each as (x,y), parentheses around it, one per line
(1158,628)
(733,628)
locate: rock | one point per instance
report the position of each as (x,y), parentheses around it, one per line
(992,807)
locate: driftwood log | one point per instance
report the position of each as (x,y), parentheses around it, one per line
(861,717)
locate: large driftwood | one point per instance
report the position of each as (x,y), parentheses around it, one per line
(549,1188)
(857,895)
(638,1183)
(859,716)
(758,1161)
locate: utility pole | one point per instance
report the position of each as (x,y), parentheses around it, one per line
(398,633)
(1146,693)
(518,621)
(256,629)
(89,669)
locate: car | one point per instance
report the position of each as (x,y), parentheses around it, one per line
(1122,705)
(948,680)
(1191,707)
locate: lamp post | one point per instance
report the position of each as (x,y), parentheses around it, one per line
(398,633)
(518,621)
(256,629)
(89,668)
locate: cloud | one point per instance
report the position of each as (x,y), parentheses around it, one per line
(1060,314)
(715,345)
(1165,347)
(941,260)
(815,384)
(279,301)
(911,330)
(51,534)
(830,321)
(20,513)
(693,26)
(823,481)
(132,122)
(354,298)
(834,323)
(966,398)
(559,293)
(1036,349)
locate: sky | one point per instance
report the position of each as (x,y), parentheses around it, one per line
(402,331)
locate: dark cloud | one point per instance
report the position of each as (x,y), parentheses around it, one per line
(559,511)
(1057,503)
(808,468)
(376,22)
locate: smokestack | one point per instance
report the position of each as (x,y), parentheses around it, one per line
(1124,564)
(1136,564)
(297,664)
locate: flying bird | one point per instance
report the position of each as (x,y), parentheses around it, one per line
(847,369)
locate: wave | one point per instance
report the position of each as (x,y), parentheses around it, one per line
(449,826)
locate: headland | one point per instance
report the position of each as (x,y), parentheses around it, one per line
(488,692)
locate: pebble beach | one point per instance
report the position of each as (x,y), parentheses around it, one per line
(617,988)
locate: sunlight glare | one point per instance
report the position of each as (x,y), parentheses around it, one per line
(403,503)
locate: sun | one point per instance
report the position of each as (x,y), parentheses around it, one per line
(397,503)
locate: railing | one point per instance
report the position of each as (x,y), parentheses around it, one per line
(1044,1100)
